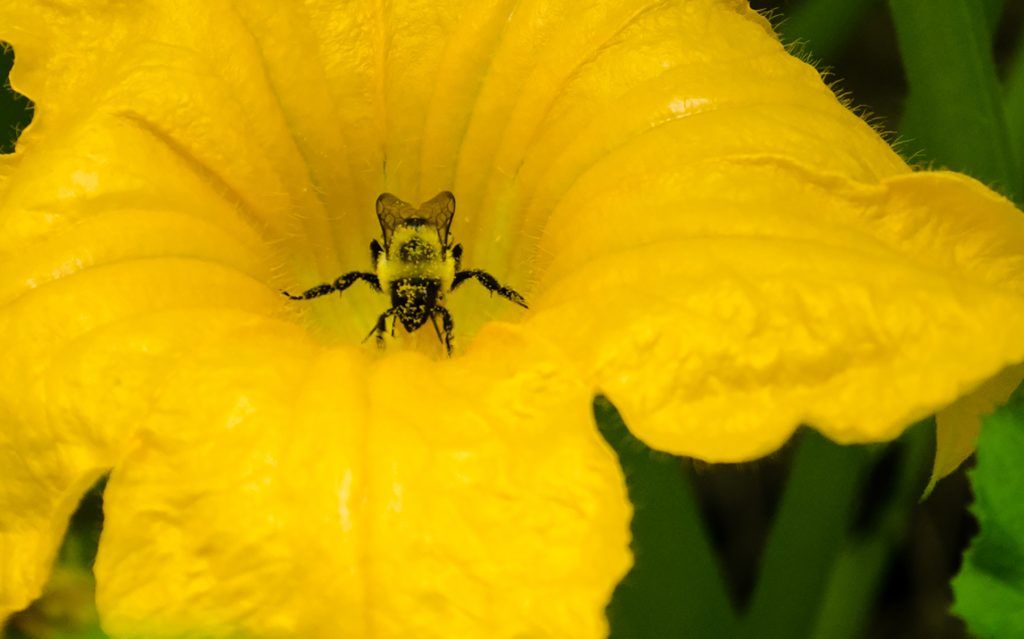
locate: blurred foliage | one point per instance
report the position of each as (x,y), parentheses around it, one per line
(824,548)
(669,541)
(954,110)
(990,587)
(826,26)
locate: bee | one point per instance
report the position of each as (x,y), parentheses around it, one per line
(417,265)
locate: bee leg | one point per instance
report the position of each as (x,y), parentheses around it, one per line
(449,328)
(381,327)
(437,329)
(348,279)
(316,291)
(491,284)
(339,285)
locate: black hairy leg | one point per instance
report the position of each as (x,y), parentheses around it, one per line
(490,283)
(449,328)
(381,327)
(340,284)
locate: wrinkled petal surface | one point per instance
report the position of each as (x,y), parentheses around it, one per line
(327,496)
(800,298)
(703,231)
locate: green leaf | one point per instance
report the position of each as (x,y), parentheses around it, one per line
(807,537)
(993,11)
(1013,104)
(860,570)
(825,26)
(954,114)
(989,591)
(675,588)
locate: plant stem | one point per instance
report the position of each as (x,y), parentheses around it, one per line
(675,588)
(807,537)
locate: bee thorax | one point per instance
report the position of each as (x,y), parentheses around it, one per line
(416,251)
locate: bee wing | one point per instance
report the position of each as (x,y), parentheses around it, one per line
(390,213)
(440,210)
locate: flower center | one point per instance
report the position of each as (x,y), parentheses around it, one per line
(421,288)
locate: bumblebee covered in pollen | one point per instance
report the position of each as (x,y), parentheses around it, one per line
(417,265)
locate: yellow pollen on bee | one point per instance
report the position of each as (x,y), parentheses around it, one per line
(415,253)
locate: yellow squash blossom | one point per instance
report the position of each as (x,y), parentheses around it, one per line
(704,234)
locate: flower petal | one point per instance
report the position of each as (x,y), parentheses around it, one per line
(958,425)
(175,105)
(308,493)
(68,416)
(718,318)
(112,265)
(121,250)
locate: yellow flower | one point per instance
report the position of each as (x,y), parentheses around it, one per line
(703,233)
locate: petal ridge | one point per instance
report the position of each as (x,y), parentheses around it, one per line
(436,178)
(245,209)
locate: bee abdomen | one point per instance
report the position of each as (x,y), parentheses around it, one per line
(416,298)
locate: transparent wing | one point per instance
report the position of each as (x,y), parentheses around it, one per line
(439,211)
(390,213)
